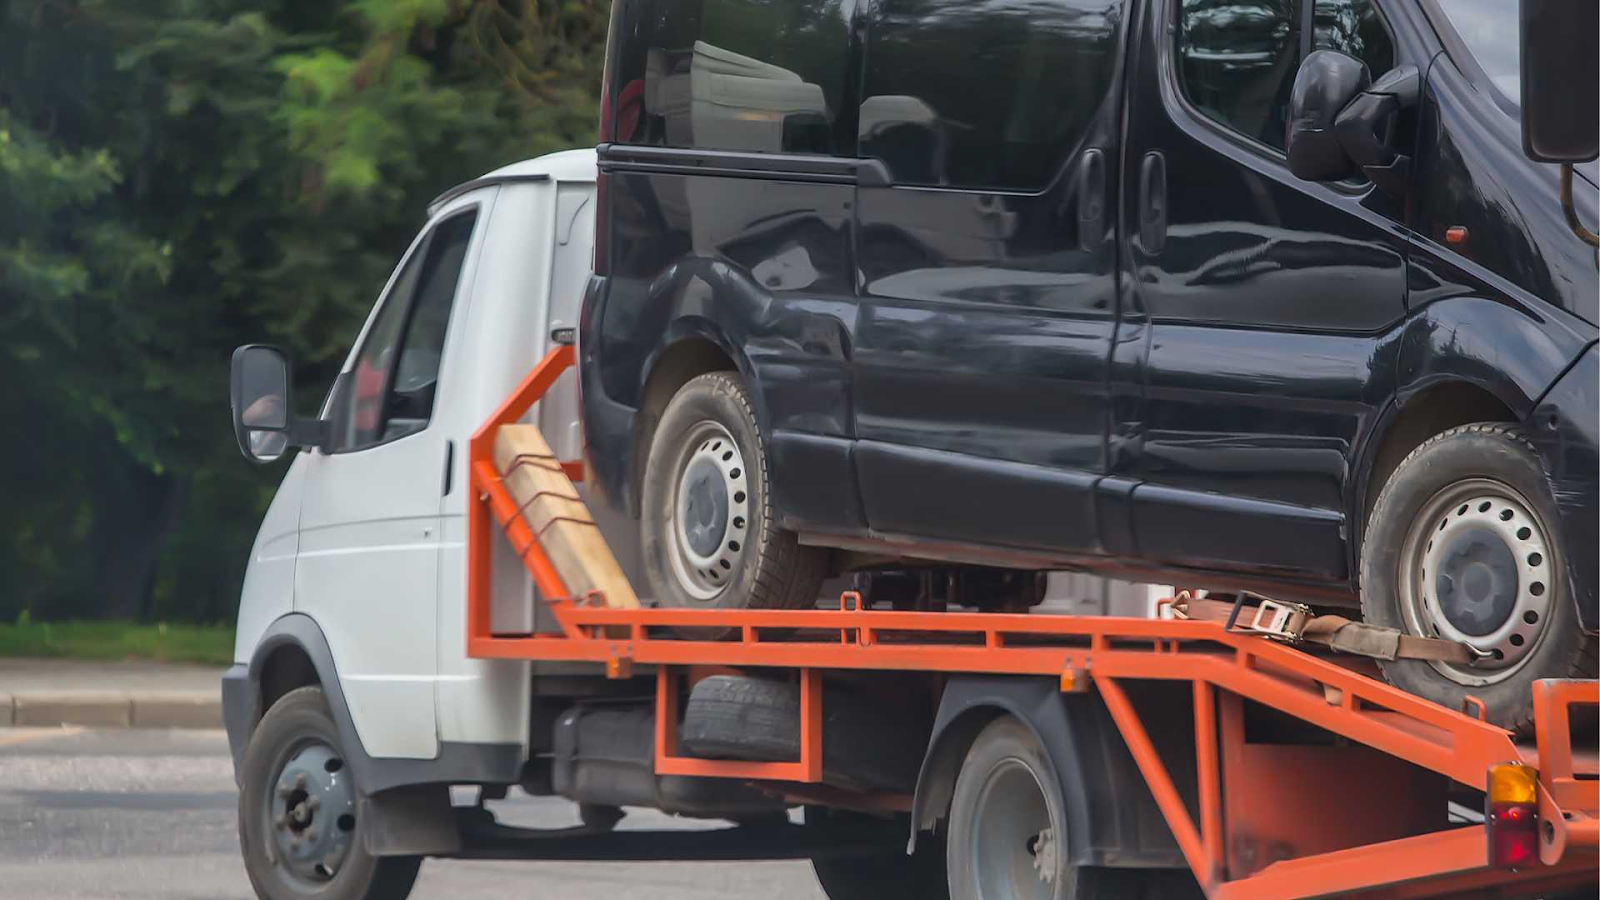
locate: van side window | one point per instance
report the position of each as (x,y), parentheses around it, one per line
(992,95)
(391,390)
(1237,61)
(1353,27)
(754,75)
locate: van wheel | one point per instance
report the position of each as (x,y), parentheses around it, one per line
(708,533)
(299,827)
(1462,545)
(1008,831)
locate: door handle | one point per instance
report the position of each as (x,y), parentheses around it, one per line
(449,467)
(1153,202)
(1091,199)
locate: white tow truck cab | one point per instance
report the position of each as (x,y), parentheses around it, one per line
(356,583)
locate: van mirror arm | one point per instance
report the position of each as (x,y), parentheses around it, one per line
(1357,127)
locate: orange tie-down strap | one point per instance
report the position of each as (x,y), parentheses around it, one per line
(1294,622)
(557,517)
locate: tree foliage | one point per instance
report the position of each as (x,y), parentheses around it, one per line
(178,177)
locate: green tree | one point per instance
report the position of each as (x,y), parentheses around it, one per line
(181,176)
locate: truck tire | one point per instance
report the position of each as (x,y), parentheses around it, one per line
(882,874)
(1007,830)
(298,829)
(865,745)
(1464,543)
(707,526)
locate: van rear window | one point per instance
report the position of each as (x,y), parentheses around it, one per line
(751,75)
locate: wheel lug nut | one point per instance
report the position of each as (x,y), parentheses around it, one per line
(300,781)
(313,802)
(311,834)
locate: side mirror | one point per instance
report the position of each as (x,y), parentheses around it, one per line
(1326,83)
(262,419)
(1559,90)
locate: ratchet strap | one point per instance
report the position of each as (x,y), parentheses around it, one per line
(1294,623)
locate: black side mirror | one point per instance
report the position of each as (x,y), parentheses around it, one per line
(1327,81)
(1560,92)
(263,422)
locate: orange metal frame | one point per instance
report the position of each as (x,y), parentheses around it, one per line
(1220,666)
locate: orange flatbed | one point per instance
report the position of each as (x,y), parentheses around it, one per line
(1268,820)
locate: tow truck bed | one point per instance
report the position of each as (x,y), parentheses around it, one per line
(1266,820)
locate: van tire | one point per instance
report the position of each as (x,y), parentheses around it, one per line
(299,720)
(724,549)
(1495,461)
(865,745)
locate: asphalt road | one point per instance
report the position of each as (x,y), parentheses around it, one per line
(150,814)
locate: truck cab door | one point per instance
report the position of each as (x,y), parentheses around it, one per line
(370,519)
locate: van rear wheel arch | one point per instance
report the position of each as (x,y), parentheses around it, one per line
(674,366)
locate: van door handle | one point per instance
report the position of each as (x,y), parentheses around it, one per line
(1091,199)
(1153,202)
(449,467)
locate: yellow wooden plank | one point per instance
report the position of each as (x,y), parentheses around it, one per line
(566,530)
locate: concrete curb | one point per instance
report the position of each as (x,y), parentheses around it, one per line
(112,709)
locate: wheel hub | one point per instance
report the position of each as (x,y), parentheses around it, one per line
(711,515)
(311,813)
(1477,570)
(1015,848)
(1476,581)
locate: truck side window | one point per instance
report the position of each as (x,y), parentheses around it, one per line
(1237,60)
(393,385)
(1353,27)
(992,95)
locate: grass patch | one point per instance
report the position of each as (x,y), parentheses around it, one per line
(211,644)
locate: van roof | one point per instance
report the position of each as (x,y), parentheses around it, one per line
(563,165)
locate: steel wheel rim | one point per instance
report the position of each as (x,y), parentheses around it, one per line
(1014,850)
(1453,581)
(309,815)
(710,512)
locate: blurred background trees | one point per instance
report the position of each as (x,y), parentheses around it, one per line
(178,177)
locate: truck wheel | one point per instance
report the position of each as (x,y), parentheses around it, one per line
(1008,838)
(1463,545)
(298,824)
(707,522)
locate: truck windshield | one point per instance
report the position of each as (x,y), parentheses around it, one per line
(1489,29)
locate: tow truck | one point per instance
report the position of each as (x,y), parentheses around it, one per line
(934,752)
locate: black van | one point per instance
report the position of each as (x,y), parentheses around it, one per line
(1237,294)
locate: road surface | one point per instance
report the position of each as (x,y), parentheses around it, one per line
(94,815)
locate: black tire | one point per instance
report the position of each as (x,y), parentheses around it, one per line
(890,874)
(301,716)
(865,745)
(766,567)
(1498,456)
(998,868)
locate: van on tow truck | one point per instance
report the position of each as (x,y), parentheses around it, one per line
(421,614)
